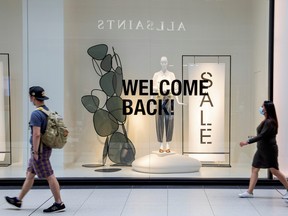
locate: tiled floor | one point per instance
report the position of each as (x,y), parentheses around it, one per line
(152,201)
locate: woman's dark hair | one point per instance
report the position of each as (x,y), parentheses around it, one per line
(271,112)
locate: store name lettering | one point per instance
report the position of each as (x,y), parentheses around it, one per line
(139,25)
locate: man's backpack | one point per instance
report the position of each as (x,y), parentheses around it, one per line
(56,132)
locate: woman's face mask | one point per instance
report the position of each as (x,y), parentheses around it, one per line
(261,110)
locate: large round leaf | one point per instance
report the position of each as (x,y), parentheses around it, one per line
(98,52)
(101,95)
(106,83)
(106,63)
(90,102)
(104,123)
(121,149)
(115,107)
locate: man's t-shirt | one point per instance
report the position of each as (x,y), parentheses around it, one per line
(38,119)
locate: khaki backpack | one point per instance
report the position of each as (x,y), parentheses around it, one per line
(56,133)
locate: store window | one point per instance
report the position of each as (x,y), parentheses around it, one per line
(234,33)
(125,122)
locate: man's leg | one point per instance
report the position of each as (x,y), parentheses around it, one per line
(27,185)
(54,187)
(58,205)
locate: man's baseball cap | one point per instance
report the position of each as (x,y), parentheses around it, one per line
(38,92)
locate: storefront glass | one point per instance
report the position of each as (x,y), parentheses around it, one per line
(110,52)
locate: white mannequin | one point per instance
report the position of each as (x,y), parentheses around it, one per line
(164,74)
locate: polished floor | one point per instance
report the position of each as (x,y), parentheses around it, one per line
(151,201)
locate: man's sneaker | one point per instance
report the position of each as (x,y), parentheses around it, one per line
(56,207)
(14,201)
(246,194)
(285,196)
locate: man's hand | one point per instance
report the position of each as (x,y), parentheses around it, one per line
(35,156)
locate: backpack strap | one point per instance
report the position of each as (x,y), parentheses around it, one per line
(46,112)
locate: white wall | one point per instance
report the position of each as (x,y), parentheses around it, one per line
(280,78)
(45,55)
(11,42)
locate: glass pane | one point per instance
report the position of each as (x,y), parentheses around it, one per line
(5,133)
(230,34)
(111,53)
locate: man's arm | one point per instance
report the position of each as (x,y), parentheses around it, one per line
(36,141)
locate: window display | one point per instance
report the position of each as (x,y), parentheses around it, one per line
(103,58)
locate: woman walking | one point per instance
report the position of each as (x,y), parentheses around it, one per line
(266,155)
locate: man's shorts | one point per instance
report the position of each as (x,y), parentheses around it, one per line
(42,167)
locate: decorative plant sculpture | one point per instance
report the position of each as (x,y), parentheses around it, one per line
(109,120)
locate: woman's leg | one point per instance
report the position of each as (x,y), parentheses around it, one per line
(280,176)
(253,179)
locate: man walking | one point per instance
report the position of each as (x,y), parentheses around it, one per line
(39,162)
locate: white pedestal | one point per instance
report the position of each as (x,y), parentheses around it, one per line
(166,163)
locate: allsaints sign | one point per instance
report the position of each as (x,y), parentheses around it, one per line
(207,112)
(140,25)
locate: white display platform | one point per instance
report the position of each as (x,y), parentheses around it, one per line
(166,163)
